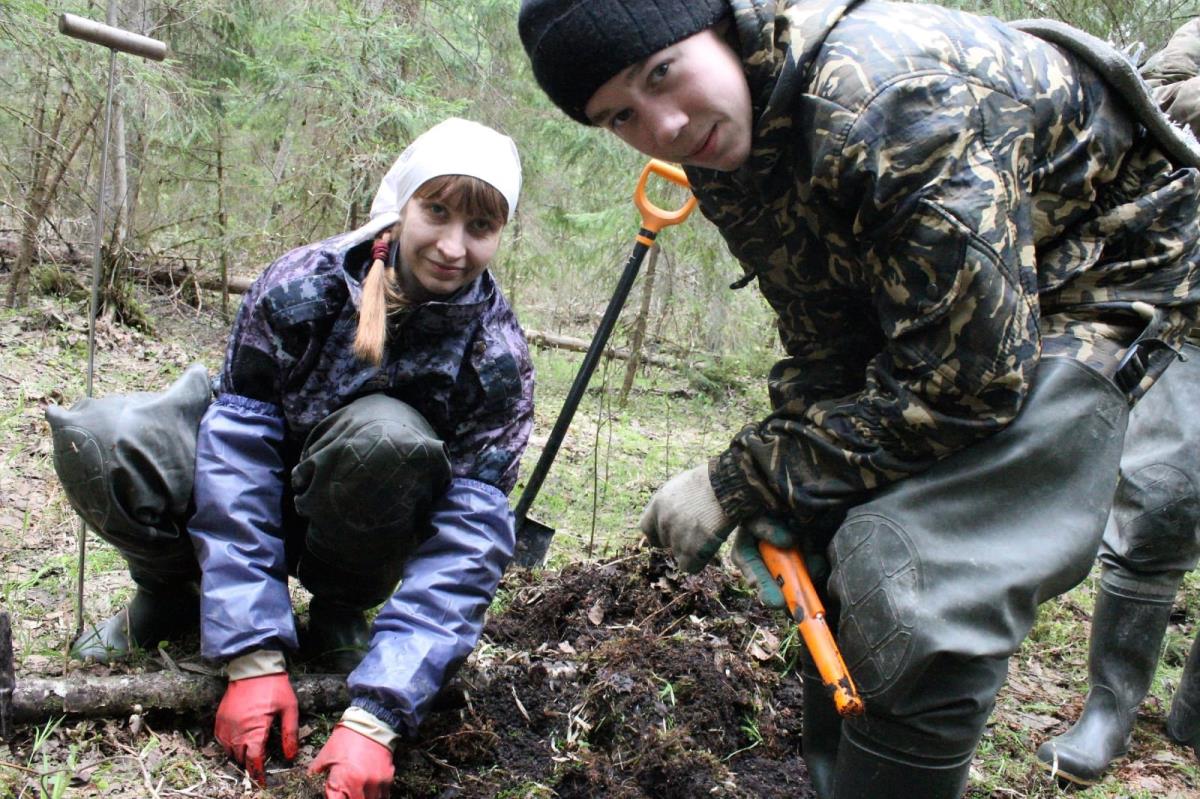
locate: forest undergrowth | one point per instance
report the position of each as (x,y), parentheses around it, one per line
(606,674)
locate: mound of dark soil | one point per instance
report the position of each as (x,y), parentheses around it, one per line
(618,679)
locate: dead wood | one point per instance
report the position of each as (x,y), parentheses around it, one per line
(573,344)
(162,269)
(172,277)
(36,700)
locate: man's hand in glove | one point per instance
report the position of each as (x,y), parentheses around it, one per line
(356,767)
(245,716)
(750,561)
(685,517)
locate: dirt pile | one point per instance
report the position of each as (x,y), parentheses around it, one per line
(618,679)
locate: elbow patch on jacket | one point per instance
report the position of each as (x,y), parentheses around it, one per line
(253,373)
(500,381)
(491,467)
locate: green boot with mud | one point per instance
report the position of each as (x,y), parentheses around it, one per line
(337,636)
(821,729)
(157,612)
(1127,633)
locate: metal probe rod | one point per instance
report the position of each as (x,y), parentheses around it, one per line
(115,39)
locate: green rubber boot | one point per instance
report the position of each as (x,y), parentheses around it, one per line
(157,612)
(864,774)
(337,636)
(1183,722)
(1127,633)
(821,729)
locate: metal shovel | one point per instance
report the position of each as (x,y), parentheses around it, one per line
(533,537)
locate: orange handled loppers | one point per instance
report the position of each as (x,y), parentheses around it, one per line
(788,569)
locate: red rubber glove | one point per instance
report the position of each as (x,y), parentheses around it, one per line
(245,716)
(356,766)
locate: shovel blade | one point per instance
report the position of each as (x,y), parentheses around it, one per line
(533,541)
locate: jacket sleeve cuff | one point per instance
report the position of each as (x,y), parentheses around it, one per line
(369,725)
(737,499)
(381,713)
(258,663)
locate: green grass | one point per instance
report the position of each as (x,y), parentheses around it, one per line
(613,457)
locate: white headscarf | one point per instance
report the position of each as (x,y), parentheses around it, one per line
(453,147)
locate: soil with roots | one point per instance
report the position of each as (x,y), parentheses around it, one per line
(621,679)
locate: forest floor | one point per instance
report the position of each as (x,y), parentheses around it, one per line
(607,674)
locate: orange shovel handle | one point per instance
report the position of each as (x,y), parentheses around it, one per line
(654,219)
(788,569)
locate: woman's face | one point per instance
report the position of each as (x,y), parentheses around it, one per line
(443,249)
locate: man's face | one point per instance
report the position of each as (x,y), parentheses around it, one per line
(688,103)
(443,249)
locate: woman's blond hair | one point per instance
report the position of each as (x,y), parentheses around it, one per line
(382,295)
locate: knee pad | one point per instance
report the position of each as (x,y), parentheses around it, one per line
(127,462)
(1157,515)
(875,579)
(922,682)
(372,467)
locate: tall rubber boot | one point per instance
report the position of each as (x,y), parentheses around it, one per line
(821,729)
(161,610)
(1127,633)
(337,637)
(865,774)
(1183,722)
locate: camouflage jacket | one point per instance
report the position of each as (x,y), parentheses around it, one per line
(463,363)
(933,201)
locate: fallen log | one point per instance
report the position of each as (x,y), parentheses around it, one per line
(37,700)
(177,276)
(573,344)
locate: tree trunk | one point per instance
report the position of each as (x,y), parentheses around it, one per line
(579,345)
(173,278)
(222,219)
(50,164)
(283,149)
(639,327)
(114,254)
(118,189)
(666,291)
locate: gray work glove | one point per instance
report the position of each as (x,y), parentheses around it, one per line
(685,517)
(750,562)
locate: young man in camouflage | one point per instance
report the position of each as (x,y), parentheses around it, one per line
(1153,537)
(977,259)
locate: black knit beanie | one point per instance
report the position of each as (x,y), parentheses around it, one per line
(576,46)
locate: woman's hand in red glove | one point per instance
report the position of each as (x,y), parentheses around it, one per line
(245,717)
(355,766)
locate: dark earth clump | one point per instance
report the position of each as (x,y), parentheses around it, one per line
(618,679)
